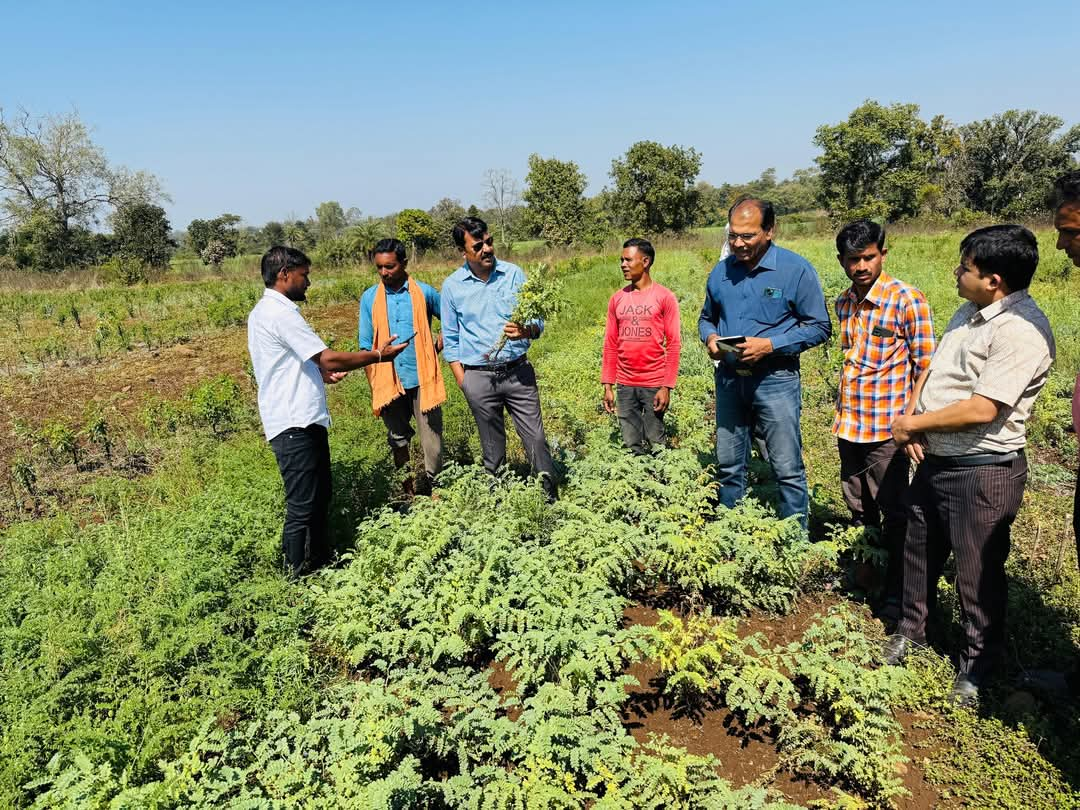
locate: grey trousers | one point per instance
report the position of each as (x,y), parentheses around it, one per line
(399,432)
(488,394)
(641,426)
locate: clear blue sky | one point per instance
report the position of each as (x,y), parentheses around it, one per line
(266,109)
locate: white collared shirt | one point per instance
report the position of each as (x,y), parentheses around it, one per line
(1002,352)
(281,344)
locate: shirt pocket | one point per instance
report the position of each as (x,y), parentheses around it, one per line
(882,347)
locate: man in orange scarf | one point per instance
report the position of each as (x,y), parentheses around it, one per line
(412,387)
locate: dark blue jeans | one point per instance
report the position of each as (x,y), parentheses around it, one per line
(303,456)
(772,401)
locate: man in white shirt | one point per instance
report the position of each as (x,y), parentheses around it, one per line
(292,365)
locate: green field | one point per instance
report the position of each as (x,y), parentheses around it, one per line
(475,651)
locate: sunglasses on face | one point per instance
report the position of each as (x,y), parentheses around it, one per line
(490,242)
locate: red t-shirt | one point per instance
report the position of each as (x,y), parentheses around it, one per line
(641,342)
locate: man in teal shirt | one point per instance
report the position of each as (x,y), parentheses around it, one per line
(391,263)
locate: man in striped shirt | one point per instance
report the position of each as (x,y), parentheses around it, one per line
(887,337)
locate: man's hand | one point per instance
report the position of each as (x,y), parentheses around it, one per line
(712,346)
(903,431)
(754,349)
(332,377)
(390,350)
(438,343)
(916,448)
(661,400)
(515,331)
(609,397)
(459,372)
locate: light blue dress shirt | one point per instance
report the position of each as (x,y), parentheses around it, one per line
(399,314)
(474,313)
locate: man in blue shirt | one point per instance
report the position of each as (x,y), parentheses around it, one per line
(477,301)
(770,301)
(398,400)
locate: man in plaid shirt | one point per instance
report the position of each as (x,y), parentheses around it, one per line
(887,336)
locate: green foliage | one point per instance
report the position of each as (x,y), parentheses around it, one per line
(142,233)
(330,221)
(851,735)
(202,233)
(218,404)
(654,188)
(416,228)
(555,194)
(1010,161)
(539,298)
(875,163)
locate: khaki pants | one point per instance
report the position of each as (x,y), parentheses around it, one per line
(397,415)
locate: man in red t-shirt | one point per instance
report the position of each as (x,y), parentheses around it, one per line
(641,350)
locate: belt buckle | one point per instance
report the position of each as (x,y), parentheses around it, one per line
(743,372)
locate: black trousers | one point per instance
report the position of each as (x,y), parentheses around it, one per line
(303,456)
(969,511)
(874,480)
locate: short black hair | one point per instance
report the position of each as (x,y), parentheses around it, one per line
(768,213)
(1008,251)
(1067,188)
(473,226)
(395,246)
(644,245)
(280,258)
(858,236)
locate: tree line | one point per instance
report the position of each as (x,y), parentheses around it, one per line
(62,204)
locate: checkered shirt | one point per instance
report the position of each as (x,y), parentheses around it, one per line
(887,340)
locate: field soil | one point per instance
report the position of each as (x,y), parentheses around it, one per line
(121,384)
(749,755)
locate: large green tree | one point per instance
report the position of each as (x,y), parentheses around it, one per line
(555,195)
(882,161)
(416,228)
(330,220)
(223,229)
(142,232)
(654,188)
(55,182)
(1009,161)
(445,214)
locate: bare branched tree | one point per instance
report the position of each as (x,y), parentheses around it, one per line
(503,194)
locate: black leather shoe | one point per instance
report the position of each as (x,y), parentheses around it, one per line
(897,649)
(965,692)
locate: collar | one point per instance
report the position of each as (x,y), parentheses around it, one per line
(470,276)
(1008,302)
(403,288)
(876,294)
(274,295)
(768,261)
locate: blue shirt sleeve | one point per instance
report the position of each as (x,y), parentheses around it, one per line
(812,314)
(710,312)
(366,330)
(449,320)
(434,304)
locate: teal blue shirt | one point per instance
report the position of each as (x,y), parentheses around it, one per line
(399,314)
